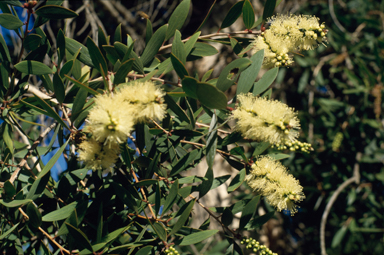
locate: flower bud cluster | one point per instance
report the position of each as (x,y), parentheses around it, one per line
(255,246)
(287,33)
(112,119)
(336,143)
(272,180)
(294,146)
(171,251)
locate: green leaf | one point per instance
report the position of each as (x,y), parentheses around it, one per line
(232,15)
(9,189)
(4,51)
(52,161)
(339,236)
(33,67)
(171,104)
(55,12)
(191,42)
(260,221)
(279,156)
(261,85)
(32,42)
(248,212)
(117,37)
(210,96)
(249,75)
(73,46)
(231,138)
(148,31)
(153,166)
(50,111)
(237,181)
(190,86)
(178,18)
(61,213)
(34,215)
(203,49)
(184,162)
(123,71)
(9,231)
(153,45)
(219,181)
(178,48)
(78,235)
(14,203)
(125,196)
(12,2)
(55,2)
(170,199)
(38,187)
(212,141)
(260,148)
(10,21)
(160,231)
(179,66)
(79,103)
(7,136)
(227,217)
(248,14)
(184,213)
(269,8)
(96,56)
(59,88)
(82,85)
(145,250)
(205,187)
(197,237)
(230,73)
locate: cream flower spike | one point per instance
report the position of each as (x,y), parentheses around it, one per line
(110,120)
(147,99)
(286,34)
(266,120)
(271,179)
(96,156)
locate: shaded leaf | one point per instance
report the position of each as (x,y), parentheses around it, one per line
(237,181)
(230,73)
(232,15)
(78,235)
(33,67)
(184,212)
(197,237)
(55,12)
(248,14)
(10,21)
(97,57)
(248,212)
(179,66)
(34,215)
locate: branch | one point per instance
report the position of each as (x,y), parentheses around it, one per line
(30,150)
(355,178)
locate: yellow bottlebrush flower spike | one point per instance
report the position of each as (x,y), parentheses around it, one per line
(96,156)
(110,120)
(271,179)
(266,120)
(147,99)
(288,33)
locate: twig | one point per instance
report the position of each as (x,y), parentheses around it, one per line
(144,196)
(53,241)
(30,150)
(334,17)
(214,35)
(355,178)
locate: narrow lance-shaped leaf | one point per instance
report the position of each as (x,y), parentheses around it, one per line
(197,237)
(185,210)
(55,12)
(248,14)
(178,18)
(232,15)
(153,45)
(96,56)
(249,75)
(261,85)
